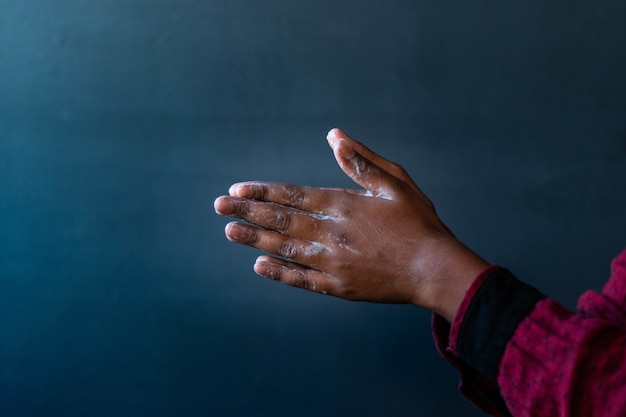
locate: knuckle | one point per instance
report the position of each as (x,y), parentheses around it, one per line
(342,239)
(287,249)
(346,212)
(249,236)
(364,166)
(261,192)
(294,196)
(302,280)
(279,220)
(275,274)
(345,265)
(314,249)
(401,172)
(348,293)
(242,208)
(256,190)
(253,237)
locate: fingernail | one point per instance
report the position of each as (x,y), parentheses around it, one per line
(237,232)
(333,137)
(265,270)
(235,189)
(223,205)
(244,189)
(332,134)
(260,268)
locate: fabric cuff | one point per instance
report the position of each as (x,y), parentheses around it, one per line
(488,318)
(476,388)
(467,299)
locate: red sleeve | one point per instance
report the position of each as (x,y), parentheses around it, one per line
(563,364)
(515,347)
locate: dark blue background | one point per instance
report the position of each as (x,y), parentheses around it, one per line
(122,120)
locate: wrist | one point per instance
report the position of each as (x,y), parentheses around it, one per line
(452,274)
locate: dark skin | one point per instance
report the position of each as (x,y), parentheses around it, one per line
(384,243)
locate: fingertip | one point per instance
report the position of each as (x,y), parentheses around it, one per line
(216,205)
(235,189)
(263,259)
(240,233)
(333,134)
(262,266)
(249,189)
(222,205)
(340,143)
(228,230)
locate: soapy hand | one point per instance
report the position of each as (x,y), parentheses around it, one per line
(384,243)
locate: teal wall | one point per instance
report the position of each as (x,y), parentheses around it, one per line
(122,120)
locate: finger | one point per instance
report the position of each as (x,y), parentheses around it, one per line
(312,200)
(293,274)
(301,251)
(364,172)
(224,206)
(334,135)
(272,216)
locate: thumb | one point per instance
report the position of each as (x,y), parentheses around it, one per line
(385,164)
(363,171)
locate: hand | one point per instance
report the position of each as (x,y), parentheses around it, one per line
(384,243)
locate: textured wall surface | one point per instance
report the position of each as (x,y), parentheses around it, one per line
(122,120)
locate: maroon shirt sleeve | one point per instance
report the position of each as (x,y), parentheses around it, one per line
(563,364)
(529,356)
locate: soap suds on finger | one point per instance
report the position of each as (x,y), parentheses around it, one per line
(314,249)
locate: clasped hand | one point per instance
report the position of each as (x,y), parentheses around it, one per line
(383,243)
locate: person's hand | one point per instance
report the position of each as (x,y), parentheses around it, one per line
(381,244)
